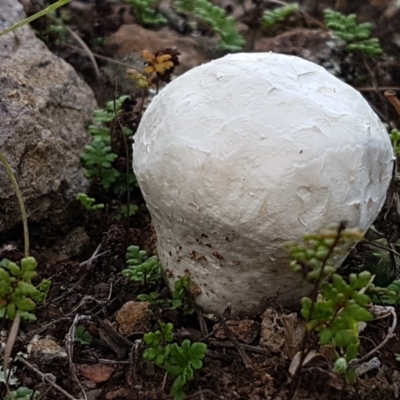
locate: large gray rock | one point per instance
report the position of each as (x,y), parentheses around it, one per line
(44,108)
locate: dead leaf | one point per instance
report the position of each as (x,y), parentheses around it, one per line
(293,330)
(312,359)
(97,372)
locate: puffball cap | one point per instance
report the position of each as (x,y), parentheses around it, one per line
(244,153)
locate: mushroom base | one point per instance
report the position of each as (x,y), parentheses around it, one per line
(248,275)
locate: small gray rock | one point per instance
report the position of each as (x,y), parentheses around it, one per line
(74,244)
(44,108)
(46,351)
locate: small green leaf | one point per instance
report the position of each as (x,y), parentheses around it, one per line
(340,283)
(177,388)
(345,337)
(82,335)
(159,360)
(361,314)
(340,365)
(361,298)
(326,336)
(150,354)
(306,303)
(25,304)
(11,310)
(144,297)
(14,269)
(4,275)
(28,275)
(27,316)
(27,289)
(5,288)
(28,264)
(198,350)
(23,393)
(188,373)
(196,364)
(173,369)
(176,303)
(4,262)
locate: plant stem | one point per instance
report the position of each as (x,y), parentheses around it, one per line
(128,190)
(35,16)
(304,350)
(14,183)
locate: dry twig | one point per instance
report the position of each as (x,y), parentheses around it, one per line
(46,378)
(379,312)
(390,250)
(9,346)
(245,358)
(128,191)
(44,327)
(394,101)
(252,349)
(77,38)
(69,342)
(202,322)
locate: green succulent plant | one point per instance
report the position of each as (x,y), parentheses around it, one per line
(270,18)
(341,304)
(180,362)
(17,293)
(395,138)
(124,211)
(88,202)
(389,295)
(357,37)
(217,19)
(82,335)
(145,13)
(181,298)
(141,268)
(23,393)
(98,158)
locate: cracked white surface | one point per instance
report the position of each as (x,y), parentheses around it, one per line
(244,153)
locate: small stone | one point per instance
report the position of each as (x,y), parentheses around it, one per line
(132,39)
(120,393)
(87,384)
(46,351)
(94,394)
(134,316)
(74,243)
(97,372)
(245,330)
(272,336)
(280,333)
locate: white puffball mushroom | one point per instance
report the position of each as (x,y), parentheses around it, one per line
(242,154)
